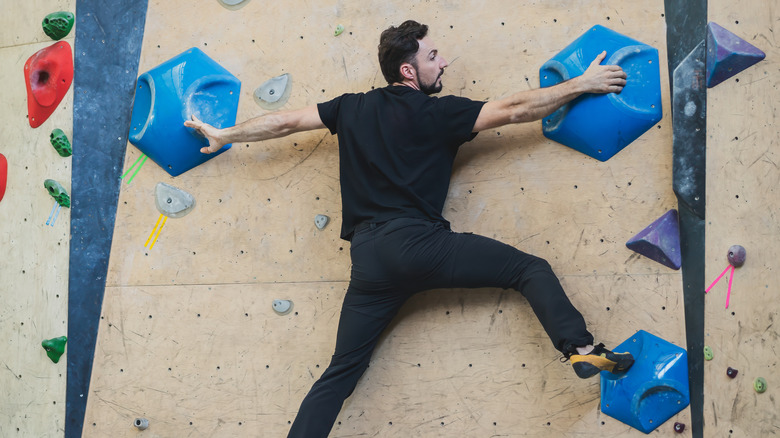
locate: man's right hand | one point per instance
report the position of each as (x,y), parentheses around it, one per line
(602,78)
(212,134)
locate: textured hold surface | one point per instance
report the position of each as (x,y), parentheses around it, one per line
(601,125)
(660,241)
(736,255)
(759,384)
(282,307)
(172,201)
(727,54)
(57,25)
(60,142)
(48,75)
(321,221)
(653,390)
(58,192)
(275,92)
(189,84)
(55,347)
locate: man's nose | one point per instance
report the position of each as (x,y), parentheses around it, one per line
(443,63)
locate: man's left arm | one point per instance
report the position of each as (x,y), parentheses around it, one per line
(527,106)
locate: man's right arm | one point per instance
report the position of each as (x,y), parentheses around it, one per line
(527,106)
(272,125)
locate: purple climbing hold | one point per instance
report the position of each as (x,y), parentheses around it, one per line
(737,255)
(660,241)
(727,54)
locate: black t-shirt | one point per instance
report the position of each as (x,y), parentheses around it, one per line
(396,147)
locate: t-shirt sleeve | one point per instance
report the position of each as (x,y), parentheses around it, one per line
(460,115)
(329,113)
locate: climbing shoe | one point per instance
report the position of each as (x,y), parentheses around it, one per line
(600,359)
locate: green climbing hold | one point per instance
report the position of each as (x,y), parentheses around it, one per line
(61,143)
(708,355)
(55,347)
(339,30)
(759,384)
(57,192)
(57,25)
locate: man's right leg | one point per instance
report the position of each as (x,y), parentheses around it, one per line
(363,318)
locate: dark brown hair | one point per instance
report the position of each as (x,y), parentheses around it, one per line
(398,45)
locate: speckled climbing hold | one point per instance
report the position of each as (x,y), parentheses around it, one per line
(3,175)
(679,427)
(57,192)
(141,423)
(708,354)
(61,143)
(660,241)
(57,25)
(731,372)
(727,54)
(339,30)
(273,93)
(282,307)
(48,75)
(321,221)
(55,347)
(736,256)
(759,384)
(233,5)
(171,201)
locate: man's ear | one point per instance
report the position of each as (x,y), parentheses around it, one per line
(408,71)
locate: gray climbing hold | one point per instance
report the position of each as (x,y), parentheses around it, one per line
(173,202)
(273,93)
(282,307)
(141,423)
(321,221)
(233,5)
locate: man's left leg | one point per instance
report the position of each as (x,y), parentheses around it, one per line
(467,260)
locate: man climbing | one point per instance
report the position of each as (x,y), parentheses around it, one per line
(397,146)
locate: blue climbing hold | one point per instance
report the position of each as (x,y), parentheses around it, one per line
(188,84)
(601,125)
(653,390)
(727,54)
(660,241)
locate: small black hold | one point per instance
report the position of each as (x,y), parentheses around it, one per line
(731,372)
(679,427)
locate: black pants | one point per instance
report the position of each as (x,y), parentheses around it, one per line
(393,261)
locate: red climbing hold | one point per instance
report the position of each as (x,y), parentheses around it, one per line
(48,74)
(3,175)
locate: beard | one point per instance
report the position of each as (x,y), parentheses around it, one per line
(433,87)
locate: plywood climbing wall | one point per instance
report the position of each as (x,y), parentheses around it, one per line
(742,209)
(188,338)
(34,261)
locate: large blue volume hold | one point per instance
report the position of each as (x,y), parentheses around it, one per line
(601,125)
(188,84)
(653,390)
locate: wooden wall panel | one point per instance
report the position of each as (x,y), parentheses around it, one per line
(742,209)
(485,365)
(34,263)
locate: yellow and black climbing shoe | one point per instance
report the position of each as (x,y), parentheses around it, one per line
(600,359)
